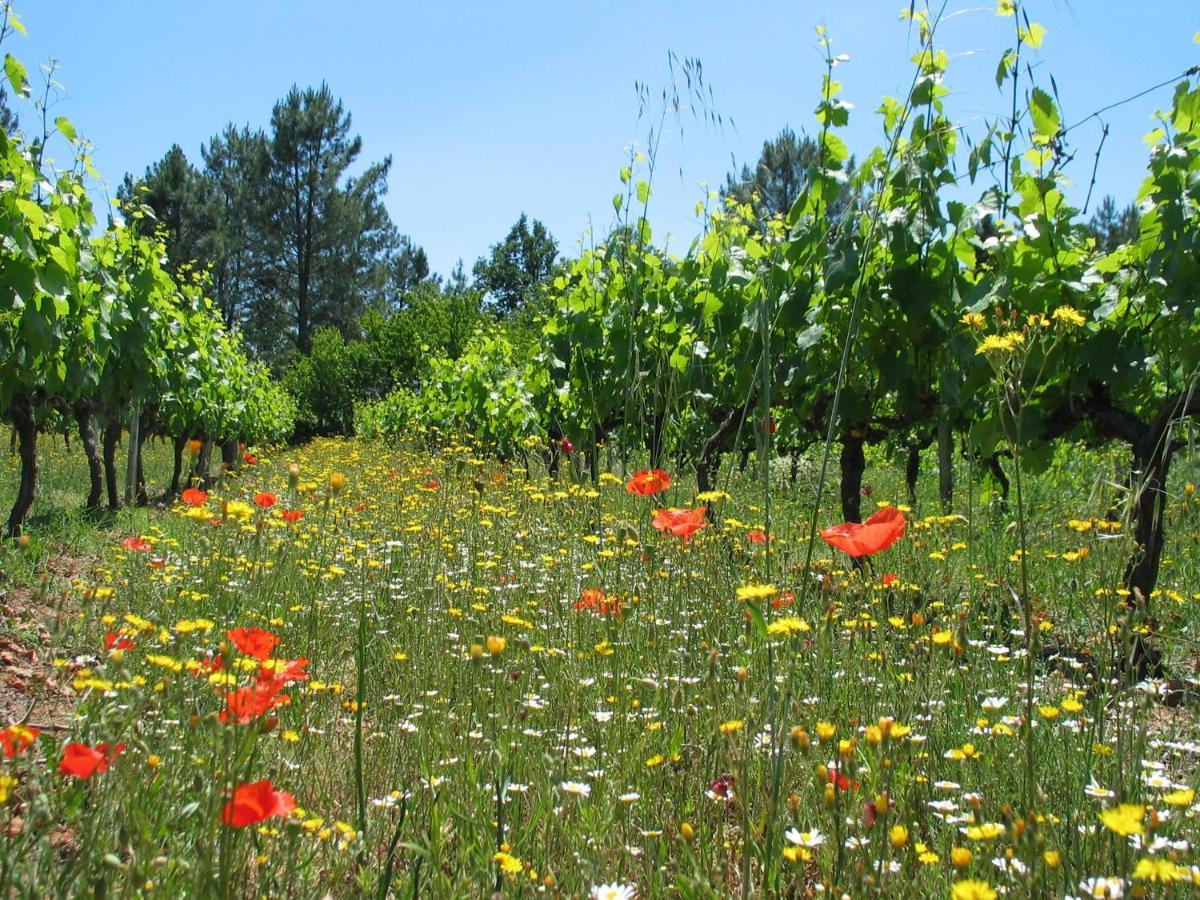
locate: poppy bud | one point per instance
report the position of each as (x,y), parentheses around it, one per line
(800,738)
(337,482)
(23,542)
(293,476)
(567,446)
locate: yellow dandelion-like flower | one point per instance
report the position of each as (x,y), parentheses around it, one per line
(733,726)
(972,889)
(508,863)
(988,831)
(974,320)
(788,626)
(1124,819)
(1068,315)
(756,591)
(1180,798)
(1162,871)
(1000,343)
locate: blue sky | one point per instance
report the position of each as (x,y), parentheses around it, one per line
(491,109)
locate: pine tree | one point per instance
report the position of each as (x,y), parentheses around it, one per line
(778,178)
(325,234)
(515,268)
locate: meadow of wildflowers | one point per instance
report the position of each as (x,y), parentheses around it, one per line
(362,668)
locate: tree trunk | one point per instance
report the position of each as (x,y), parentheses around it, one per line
(87,437)
(997,470)
(853,463)
(657,429)
(25,428)
(145,424)
(229,455)
(593,454)
(912,471)
(112,436)
(204,465)
(178,446)
(945,442)
(131,455)
(710,454)
(1150,467)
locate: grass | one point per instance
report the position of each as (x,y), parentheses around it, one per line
(472,721)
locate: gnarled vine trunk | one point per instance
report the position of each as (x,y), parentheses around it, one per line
(24,421)
(87,437)
(710,454)
(945,442)
(853,463)
(110,439)
(177,448)
(912,471)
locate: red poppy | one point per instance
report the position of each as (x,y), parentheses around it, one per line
(284,670)
(567,446)
(257,802)
(840,781)
(758,537)
(432,484)
(83,761)
(600,603)
(17,738)
(265,500)
(889,579)
(114,640)
(870,814)
(787,598)
(137,544)
(249,458)
(721,787)
(680,522)
(877,533)
(194,497)
(254,641)
(292,516)
(246,704)
(209,664)
(648,482)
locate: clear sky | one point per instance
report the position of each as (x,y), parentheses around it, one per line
(489,109)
